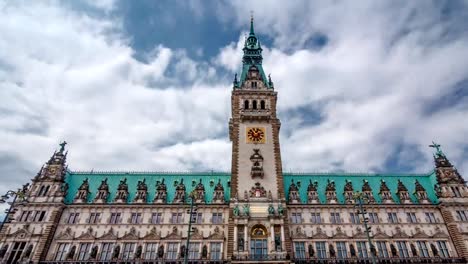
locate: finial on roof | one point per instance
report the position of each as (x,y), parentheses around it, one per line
(62,146)
(251,24)
(438,149)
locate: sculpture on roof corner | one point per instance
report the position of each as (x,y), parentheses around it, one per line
(161,192)
(312,195)
(384,192)
(103,192)
(142,192)
(83,192)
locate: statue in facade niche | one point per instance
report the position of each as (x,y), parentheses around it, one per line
(271,210)
(280,209)
(235,210)
(246,209)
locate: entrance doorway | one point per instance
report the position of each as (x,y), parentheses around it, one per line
(259,242)
(258,248)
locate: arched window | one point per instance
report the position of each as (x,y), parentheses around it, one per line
(254,103)
(262,104)
(246,104)
(46,190)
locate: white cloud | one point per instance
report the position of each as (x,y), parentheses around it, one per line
(374,84)
(72,77)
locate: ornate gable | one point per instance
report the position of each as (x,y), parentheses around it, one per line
(21,233)
(299,233)
(196,235)
(174,235)
(110,235)
(88,235)
(439,233)
(380,234)
(399,233)
(65,235)
(217,234)
(152,235)
(420,234)
(339,234)
(320,234)
(131,235)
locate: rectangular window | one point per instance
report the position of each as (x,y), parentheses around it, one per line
(392,218)
(115,218)
(83,254)
(194,251)
(411,217)
(423,251)
(215,250)
(382,251)
(430,218)
(42,216)
(156,218)
(335,218)
(354,218)
(373,218)
(442,245)
(24,216)
(361,249)
(37,214)
(197,218)
(341,250)
(106,251)
(456,191)
(217,218)
(320,247)
(151,251)
(136,218)
(93,218)
(73,218)
(62,251)
(172,250)
(315,218)
(176,218)
(299,250)
(296,218)
(462,216)
(402,249)
(128,250)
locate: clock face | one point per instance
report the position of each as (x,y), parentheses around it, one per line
(256,135)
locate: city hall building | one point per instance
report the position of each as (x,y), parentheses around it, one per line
(256,213)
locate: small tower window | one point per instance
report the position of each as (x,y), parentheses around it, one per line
(254,103)
(254,84)
(41,191)
(262,104)
(246,104)
(46,190)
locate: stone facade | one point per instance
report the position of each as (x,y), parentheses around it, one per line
(255,213)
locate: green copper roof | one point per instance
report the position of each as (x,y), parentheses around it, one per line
(427,181)
(252,57)
(75,179)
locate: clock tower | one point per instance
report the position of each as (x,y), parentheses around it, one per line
(257,222)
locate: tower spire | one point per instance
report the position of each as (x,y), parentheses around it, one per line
(252,33)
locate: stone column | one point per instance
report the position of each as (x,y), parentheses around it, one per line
(235,238)
(272,230)
(245,239)
(282,237)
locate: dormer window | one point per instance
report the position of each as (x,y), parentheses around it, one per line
(254,84)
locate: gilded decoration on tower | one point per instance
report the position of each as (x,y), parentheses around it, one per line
(256,135)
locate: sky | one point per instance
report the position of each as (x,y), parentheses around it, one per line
(363,86)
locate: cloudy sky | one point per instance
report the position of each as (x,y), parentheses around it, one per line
(145,85)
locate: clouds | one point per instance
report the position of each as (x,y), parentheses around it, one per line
(375,84)
(362,86)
